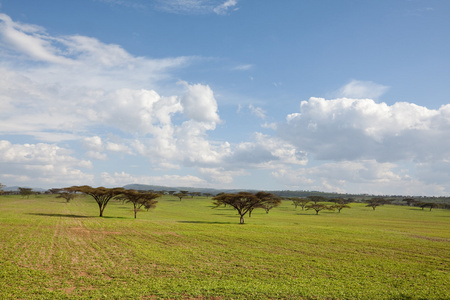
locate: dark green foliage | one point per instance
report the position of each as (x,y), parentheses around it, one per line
(245,202)
(139,199)
(25,192)
(299,202)
(339,207)
(101,195)
(318,207)
(316,199)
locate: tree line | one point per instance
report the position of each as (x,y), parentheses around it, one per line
(243,202)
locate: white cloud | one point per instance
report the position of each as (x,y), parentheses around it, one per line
(362,89)
(364,176)
(243,67)
(93,143)
(30,40)
(257,111)
(219,7)
(199,103)
(122,178)
(41,164)
(223,8)
(220,175)
(348,129)
(264,151)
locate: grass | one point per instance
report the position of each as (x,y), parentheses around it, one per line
(186,250)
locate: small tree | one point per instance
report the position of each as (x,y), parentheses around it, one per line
(410,201)
(243,202)
(67,196)
(139,199)
(101,195)
(339,207)
(268,200)
(299,202)
(318,207)
(375,202)
(1,188)
(181,195)
(25,192)
(316,199)
(431,205)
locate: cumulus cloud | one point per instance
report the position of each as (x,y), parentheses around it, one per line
(362,176)
(362,89)
(199,103)
(34,164)
(264,151)
(348,129)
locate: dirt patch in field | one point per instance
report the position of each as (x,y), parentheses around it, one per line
(84,231)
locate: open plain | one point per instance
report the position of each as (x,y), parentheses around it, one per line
(50,249)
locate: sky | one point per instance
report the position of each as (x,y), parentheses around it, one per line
(348,96)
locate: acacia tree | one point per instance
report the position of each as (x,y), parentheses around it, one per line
(431,205)
(101,195)
(181,195)
(375,202)
(139,199)
(299,202)
(243,202)
(318,207)
(25,192)
(268,200)
(410,201)
(316,199)
(339,207)
(67,195)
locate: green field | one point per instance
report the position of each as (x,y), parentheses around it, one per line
(186,250)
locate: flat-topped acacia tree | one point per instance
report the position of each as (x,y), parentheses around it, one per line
(101,195)
(244,202)
(299,202)
(139,199)
(268,200)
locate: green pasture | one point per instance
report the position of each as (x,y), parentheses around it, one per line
(50,249)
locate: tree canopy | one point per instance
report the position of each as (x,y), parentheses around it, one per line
(318,207)
(299,202)
(101,195)
(140,199)
(316,199)
(245,202)
(25,192)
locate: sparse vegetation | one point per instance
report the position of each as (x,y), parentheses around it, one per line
(185,250)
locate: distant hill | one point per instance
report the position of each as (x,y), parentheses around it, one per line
(158,188)
(16,189)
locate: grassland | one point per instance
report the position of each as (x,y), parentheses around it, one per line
(186,250)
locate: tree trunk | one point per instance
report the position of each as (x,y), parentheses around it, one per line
(241,221)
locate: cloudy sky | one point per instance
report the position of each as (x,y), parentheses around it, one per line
(345,96)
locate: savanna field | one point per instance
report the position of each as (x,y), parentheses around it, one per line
(51,249)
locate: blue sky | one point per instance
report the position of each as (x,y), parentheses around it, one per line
(346,96)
